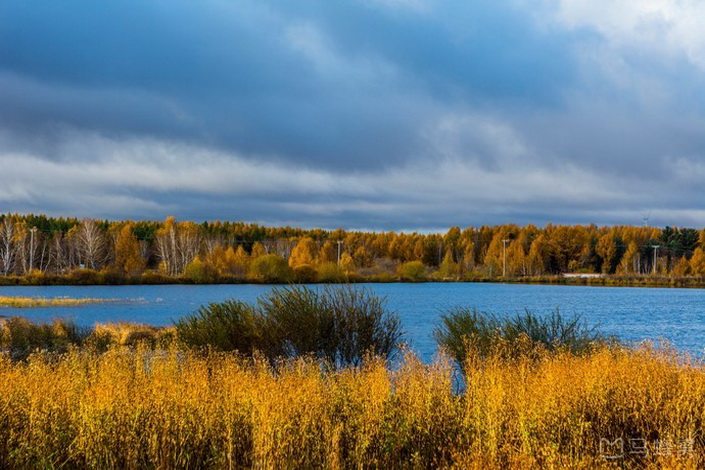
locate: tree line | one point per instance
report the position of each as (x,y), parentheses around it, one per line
(37,245)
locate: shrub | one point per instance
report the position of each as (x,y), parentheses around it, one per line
(330,272)
(413,271)
(21,337)
(226,326)
(338,325)
(83,276)
(155,277)
(305,273)
(464,331)
(271,269)
(111,276)
(200,272)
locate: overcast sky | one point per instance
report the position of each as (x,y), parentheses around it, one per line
(374,114)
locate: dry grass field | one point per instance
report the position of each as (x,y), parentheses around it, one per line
(137,407)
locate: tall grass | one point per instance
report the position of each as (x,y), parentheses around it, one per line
(338,325)
(20,337)
(137,408)
(465,330)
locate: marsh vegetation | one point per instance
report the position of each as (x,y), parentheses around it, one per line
(319,378)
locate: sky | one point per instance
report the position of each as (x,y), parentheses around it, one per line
(360,114)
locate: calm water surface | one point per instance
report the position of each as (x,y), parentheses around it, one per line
(634,314)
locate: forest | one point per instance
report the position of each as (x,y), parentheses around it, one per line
(37,249)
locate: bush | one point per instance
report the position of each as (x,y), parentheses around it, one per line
(84,276)
(330,272)
(464,331)
(271,269)
(413,271)
(200,272)
(305,273)
(21,337)
(338,325)
(226,326)
(155,277)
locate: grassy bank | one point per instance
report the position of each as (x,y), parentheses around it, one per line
(140,408)
(85,277)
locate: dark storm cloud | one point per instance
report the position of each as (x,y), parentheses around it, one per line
(244,76)
(368,113)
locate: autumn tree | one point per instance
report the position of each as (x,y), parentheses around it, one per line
(362,257)
(258,250)
(629,264)
(448,269)
(91,243)
(539,255)
(517,263)
(682,267)
(128,254)
(303,253)
(347,264)
(609,251)
(468,260)
(697,262)
(177,245)
(328,253)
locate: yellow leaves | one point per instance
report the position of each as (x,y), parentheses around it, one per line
(128,255)
(303,253)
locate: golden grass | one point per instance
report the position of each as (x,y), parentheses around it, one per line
(141,408)
(131,334)
(29,302)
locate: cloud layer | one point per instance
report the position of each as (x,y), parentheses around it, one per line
(380,114)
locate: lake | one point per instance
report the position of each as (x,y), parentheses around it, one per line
(634,314)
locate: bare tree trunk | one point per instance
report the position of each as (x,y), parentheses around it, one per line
(91,243)
(7,247)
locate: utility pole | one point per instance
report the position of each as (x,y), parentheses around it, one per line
(504,257)
(31,248)
(656,247)
(340,242)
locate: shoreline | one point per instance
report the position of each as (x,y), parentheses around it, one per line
(101,279)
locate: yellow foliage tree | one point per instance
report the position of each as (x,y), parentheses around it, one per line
(328,253)
(347,264)
(257,250)
(448,268)
(682,267)
(303,253)
(697,262)
(628,264)
(516,259)
(128,256)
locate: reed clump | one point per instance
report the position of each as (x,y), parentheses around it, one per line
(340,326)
(137,407)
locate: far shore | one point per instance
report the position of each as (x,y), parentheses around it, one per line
(102,278)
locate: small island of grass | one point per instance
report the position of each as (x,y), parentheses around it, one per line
(33,302)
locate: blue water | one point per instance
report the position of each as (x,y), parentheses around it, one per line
(633,314)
